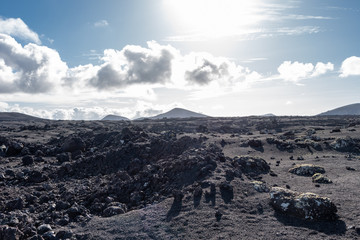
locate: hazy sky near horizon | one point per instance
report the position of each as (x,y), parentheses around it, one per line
(85,59)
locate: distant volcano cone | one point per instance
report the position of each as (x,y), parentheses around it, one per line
(179,113)
(351,109)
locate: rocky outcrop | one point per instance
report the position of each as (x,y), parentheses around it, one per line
(73,144)
(306,206)
(260,186)
(251,165)
(282,145)
(320,178)
(306,169)
(346,144)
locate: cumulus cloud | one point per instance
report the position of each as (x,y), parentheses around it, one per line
(137,110)
(207,71)
(101,23)
(204,69)
(322,68)
(17,28)
(350,67)
(76,113)
(296,71)
(3,106)
(134,65)
(30,69)
(38,69)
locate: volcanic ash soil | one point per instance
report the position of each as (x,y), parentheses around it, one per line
(206,178)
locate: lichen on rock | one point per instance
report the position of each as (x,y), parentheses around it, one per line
(320,178)
(260,186)
(306,206)
(346,144)
(251,165)
(306,169)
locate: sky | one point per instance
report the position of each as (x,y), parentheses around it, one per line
(85,59)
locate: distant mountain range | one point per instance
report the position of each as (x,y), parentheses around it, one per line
(351,109)
(268,115)
(14,116)
(179,113)
(114,118)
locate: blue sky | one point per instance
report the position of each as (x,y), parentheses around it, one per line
(85,59)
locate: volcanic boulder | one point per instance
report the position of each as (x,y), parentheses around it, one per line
(9,233)
(63,157)
(260,186)
(114,210)
(14,148)
(73,144)
(346,144)
(319,178)
(306,169)
(27,160)
(282,145)
(306,206)
(251,165)
(254,143)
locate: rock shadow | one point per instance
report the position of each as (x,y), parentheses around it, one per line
(259,149)
(227,192)
(175,207)
(337,227)
(197,199)
(211,196)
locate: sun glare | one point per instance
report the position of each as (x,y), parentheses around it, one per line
(214,18)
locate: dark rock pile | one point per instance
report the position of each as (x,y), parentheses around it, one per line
(105,174)
(346,144)
(251,166)
(306,169)
(306,206)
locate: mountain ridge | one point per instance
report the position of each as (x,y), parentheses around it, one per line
(350,109)
(112,117)
(16,116)
(179,113)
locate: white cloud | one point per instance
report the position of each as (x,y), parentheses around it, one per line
(296,71)
(322,68)
(17,28)
(207,68)
(31,69)
(134,65)
(350,67)
(38,69)
(101,23)
(202,69)
(139,109)
(296,30)
(3,106)
(249,34)
(306,17)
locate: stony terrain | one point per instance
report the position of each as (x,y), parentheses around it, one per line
(205,178)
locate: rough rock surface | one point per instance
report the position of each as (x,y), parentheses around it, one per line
(320,178)
(307,206)
(251,165)
(172,179)
(306,169)
(260,186)
(346,144)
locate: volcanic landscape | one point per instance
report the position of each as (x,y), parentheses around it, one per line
(194,178)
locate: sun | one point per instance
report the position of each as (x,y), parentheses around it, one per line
(214,18)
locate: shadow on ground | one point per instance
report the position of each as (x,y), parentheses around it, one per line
(337,227)
(174,210)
